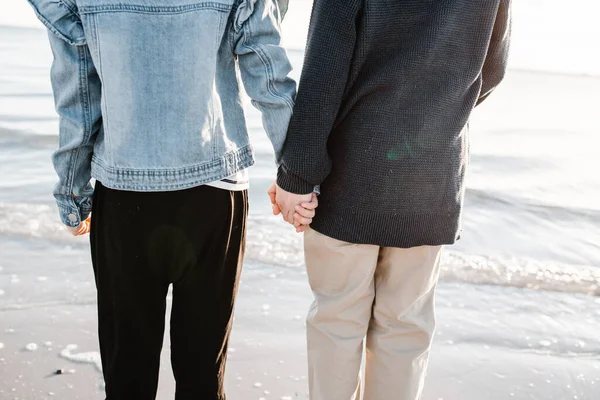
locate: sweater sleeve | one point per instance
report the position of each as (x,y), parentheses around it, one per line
(332,36)
(494,66)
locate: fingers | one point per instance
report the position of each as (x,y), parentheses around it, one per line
(314,203)
(300,220)
(82,229)
(298,210)
(289,216)
(272,192)
(307,213)
(276,209)
(309,206)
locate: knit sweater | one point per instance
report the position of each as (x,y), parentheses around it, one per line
(381,115)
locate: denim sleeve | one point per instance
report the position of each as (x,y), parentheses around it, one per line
(496,59)
(77,92)
(264,67)
(76,87)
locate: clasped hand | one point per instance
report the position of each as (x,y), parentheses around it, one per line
(296,209)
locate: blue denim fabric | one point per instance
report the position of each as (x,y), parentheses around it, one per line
(149,92)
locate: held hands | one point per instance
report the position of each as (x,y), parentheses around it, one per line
(296,209)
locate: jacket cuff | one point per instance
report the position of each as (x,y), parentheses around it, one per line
(293,183)
(73,211)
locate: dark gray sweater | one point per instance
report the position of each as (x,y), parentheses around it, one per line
(380,121)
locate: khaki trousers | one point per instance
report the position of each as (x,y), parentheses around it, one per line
(385,295)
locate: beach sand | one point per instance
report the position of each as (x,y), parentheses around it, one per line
(474,357)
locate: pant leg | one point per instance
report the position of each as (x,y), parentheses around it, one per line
(204,292)
(341,276)
(131,292)
(402,327)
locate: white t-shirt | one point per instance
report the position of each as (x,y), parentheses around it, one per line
(236,182)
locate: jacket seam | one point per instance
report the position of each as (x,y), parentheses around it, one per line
(175,171)
(48,25)
(155,9)
(83,99)
(84,108)
(103,100)
(268,67)
(231,32)
(69,7)
(88,123)
(203,174)
(266,61)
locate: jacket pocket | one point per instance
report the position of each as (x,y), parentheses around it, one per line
(61,18)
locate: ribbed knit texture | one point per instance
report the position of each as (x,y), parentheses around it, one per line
(380,121)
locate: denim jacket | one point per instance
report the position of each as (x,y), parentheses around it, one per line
(148,92)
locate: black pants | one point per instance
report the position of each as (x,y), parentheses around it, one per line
(143,242)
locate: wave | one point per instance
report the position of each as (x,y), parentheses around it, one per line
(26,118)
(589,350)
(27,95)
(27,139)
(22,28)
(272,242)
(488,199)
(525,70)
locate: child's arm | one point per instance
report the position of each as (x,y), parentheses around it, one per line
(264,66)
(77,92)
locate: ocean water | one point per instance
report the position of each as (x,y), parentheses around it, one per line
(532,212)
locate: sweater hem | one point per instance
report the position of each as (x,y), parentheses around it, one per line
(389,230)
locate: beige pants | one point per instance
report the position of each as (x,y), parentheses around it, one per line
(383,294)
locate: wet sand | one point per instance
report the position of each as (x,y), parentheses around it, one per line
(508,351)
